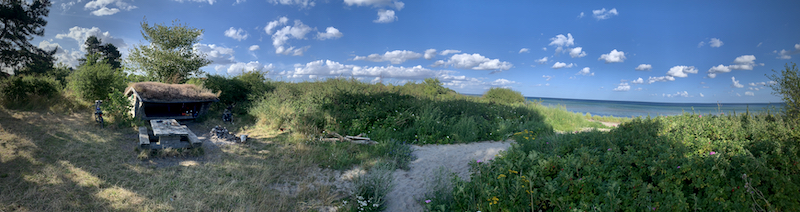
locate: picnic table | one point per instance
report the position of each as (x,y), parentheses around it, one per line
(170,132)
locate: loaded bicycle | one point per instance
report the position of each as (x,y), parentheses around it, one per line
(98,113)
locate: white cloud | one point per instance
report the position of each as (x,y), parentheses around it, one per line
(541,61)
(679,94)
(80,34)
(101,7)
(477,62)
(736,83)
(638,81)
(430,53)
(681,71)
(560,41)
(502,82)
(559,65)
(301,3)
(651,80)
(282,36)
(449,51)
(524,50)
(238,34)
(701,95)
(585,71)
(749,93)
(744,62)
(211,2)
(330,33)
(753,88)
(547,78)
(581,15)
(644,67)
(785,54)
(715,43)
(701,44)
(385,16)
(577,52)
(759,44)
(544,48)
(70,58)
(254,47)
(712,72)
(613,57)
(602,14)
(395,57)
(376,3)
(623,87)
(217,54)
(238,68)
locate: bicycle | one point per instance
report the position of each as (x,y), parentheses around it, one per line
(227,115)
(98,113)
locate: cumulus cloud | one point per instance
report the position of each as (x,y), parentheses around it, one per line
(395,57)
(679,94)
(541,61)
(70,58)
(280,37)
(385,16)
(101,7)
(238,68)
(254,47)
(736,83)
(651,80)
(749,93)
(376,3)
(449,51)
(581,15)
(744,62)
(638,81)
(716,43)
(559,65)
(547,78)
(786,54)
(560,41)
(502,82)
(585,72)
(238,34)
(272,25)
(217,54)
(701,95)
(79,34)
(644,67)
(300,3)
(613,57)
(603,14)
(681,71)
(211,2)
(524,50)
(330,33)
(430,53)
(476,62)
(577,52)
(623,87)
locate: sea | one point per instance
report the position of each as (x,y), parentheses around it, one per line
(643,109)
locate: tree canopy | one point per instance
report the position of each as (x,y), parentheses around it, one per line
(20,20)
(787,84)
(107,53)
(170,57)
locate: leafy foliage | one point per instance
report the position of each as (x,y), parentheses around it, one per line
(19,89)
(96,81)
(97,52)
(118,107)
(170,57)
(677,163)
(504,95)
(788,86)
(21,20)
(239,89)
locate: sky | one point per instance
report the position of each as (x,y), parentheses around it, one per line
(650,51)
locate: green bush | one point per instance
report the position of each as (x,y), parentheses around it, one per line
(504,95)
(677,163)
(241,89)
(118,107)
(95,81)
(19,90)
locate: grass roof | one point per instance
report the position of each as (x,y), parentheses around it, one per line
(161,92)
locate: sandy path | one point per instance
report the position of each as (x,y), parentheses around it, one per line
(410,185)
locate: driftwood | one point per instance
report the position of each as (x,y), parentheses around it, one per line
(359,139)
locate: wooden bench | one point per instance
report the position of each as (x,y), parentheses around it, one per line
(144,139)
(194,140)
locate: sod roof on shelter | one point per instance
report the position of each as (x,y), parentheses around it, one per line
(166,93)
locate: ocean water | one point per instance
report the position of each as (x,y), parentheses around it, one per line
(634,109)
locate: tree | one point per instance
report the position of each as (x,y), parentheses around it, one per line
(108,53)
(169,58)
(95,81)
(20,20)
(787,84)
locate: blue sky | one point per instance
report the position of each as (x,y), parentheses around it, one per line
(675,51)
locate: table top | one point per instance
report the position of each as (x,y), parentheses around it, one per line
(162,127)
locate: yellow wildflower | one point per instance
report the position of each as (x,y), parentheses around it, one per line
(501,176)
(512,171)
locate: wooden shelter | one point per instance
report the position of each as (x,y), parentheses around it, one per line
(154,100)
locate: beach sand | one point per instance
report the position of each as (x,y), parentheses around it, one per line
(410,185)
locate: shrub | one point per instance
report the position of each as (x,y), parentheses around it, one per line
(242,89)
(118,107)
(787,84)
(95,81)
(371,189)
(17,90)
(504,95)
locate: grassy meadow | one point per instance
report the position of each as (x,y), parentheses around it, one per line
(60,160)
